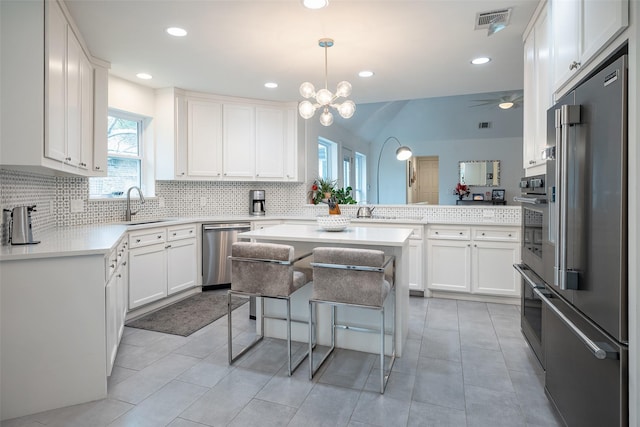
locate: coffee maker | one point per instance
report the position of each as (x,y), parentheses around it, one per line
(21,232)
(256,202)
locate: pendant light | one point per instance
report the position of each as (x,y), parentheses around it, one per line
(324,98)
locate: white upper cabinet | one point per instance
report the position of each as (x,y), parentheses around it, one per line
(537,91)
(581,29)
(238,141)
(204,138)
(46,64)
(208,137)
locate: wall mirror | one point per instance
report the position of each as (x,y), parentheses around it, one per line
(484,173)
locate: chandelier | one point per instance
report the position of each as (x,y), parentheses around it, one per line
(324,98)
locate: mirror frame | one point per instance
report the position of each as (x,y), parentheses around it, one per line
(490,179)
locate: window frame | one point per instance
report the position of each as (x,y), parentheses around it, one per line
(360,171)
(146,175)
(331,161)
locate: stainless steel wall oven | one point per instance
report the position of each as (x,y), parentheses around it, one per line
(536,247)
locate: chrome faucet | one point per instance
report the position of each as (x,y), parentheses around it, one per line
(128,214)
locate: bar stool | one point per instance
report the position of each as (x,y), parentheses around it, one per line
(265,270)
(353,278)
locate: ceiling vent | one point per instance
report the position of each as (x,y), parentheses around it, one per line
(484,125)
(485,19)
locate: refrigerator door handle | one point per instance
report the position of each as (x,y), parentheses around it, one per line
(565,116)
(600,350)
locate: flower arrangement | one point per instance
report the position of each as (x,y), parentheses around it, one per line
(461,190)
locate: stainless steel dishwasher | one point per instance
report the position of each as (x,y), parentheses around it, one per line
(216,248)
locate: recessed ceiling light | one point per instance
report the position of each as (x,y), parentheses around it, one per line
(176,31)
(315,4)
(271,85)
(480,61)
(365,73)
(144,76)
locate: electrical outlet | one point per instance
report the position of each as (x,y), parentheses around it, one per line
(161,202)
(203,201)
(77,205)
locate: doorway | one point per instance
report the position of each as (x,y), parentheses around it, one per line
(423,173)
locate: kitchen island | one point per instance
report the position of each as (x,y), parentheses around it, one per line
(304,238)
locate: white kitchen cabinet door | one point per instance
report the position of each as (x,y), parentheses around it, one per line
(181,265)
(537,93)
(100,118)
(449,265)
(238,141)
(55,145)
(204,138)
(291,145)
(492,268)
(86,116)
(147,275)
(270,143)
(111,318)
(416,281)
(580,30)
(74,100)
(122,283)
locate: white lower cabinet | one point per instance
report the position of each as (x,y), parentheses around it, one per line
(116,291)
(162,262)
(147,275)
(416,281)
(181,265)
(474,259)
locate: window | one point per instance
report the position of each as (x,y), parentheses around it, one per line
(360,188)
(327,159)
(124,161)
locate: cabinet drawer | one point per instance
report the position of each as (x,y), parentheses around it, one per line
(181,232)
(498,235)
(449,233)
(147,237)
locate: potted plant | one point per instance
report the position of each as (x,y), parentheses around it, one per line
(321,190)
(461,190)
(343,196)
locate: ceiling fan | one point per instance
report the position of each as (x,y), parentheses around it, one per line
(505,102)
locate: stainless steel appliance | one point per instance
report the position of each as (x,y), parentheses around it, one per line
(216,248)
(585,316)
(365,212)
(256,202)
(536,245)
(21,231)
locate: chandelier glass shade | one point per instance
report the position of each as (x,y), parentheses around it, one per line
(323,98)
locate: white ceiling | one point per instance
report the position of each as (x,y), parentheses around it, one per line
(417,49)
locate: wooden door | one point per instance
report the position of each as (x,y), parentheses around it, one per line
(427,180)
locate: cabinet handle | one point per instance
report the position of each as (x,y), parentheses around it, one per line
(468,245)
(175,234)
(112,265)
(97,168)
(437,232)
(167,247)
(509,234)
(483,234)
(190,231)
(182,173)
(83,164)
(475,246)
(137,240)
(460,233)
(159,236)
(124,263)
(225,174)
(574,65)
(68,159)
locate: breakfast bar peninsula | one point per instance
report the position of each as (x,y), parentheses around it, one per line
(304,238)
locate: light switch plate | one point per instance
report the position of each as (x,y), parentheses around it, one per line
(161,202)
(77,205)
(203,201)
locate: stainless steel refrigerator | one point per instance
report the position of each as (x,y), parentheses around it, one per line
(585,320)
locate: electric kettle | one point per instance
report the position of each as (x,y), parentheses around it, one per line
(21,232)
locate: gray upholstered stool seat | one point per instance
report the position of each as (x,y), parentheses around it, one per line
(356,278)
(265,270)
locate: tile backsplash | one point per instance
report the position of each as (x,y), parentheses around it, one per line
(53,197)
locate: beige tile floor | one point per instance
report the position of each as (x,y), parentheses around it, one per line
(465,364)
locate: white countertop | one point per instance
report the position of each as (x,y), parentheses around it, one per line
(356,235)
